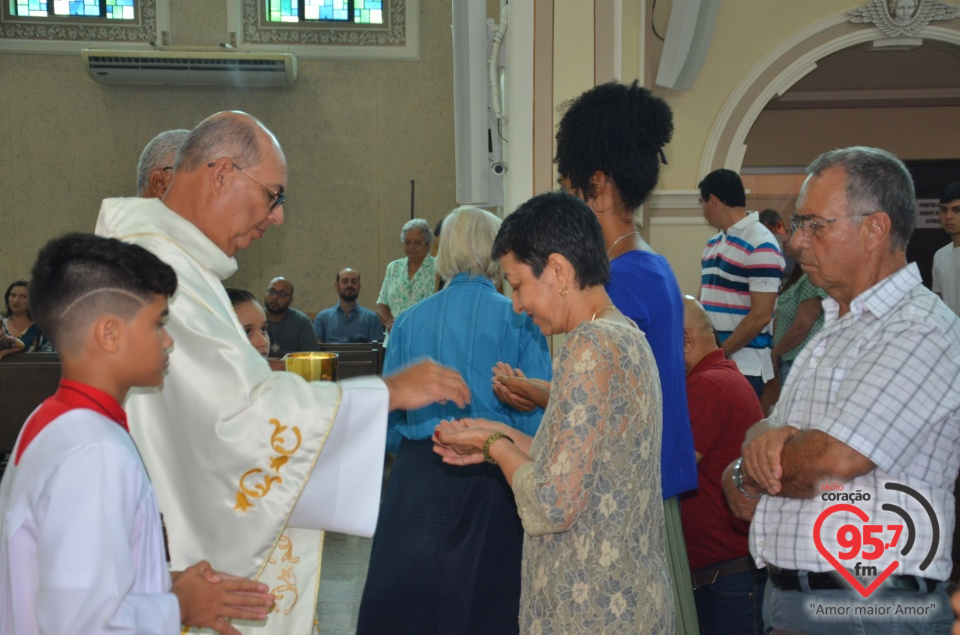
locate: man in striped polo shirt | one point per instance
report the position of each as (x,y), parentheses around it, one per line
(740,275)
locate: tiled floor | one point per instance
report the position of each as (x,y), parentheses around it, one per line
(342,574)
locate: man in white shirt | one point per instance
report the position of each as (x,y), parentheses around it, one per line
(249,464)
(863,439)
(946,262)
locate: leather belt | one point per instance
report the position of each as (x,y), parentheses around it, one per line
(791,580)
(708,575)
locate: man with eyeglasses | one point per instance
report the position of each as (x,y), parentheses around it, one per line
(249,463)
(290,330)
(946,262)
(741,268)
(155,168)
(863,441)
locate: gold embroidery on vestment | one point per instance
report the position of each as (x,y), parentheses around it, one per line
(278,442)
(288,581)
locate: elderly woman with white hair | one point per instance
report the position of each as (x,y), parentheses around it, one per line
(411,278)
(447,549)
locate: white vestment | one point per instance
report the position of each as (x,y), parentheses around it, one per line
(230,444)
(81,543)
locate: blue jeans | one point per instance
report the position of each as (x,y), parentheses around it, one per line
(836,612)
(732,605)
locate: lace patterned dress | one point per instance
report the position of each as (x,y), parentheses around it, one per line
(594,557)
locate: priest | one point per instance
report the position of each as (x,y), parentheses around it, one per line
(250,464)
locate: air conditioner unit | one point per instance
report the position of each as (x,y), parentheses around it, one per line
(191,68)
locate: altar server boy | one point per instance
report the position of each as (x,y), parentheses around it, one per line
(81,539)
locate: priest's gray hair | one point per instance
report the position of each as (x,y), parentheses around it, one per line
(220,135)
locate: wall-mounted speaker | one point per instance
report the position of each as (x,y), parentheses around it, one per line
(685,47)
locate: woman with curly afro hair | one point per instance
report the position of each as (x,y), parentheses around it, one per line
(609,150)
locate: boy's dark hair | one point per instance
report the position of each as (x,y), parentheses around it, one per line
(951,192)
(726,185)
(240,296)
(558,223)
(619,130)
(78,278)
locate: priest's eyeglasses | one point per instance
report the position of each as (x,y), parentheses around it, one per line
(278,196)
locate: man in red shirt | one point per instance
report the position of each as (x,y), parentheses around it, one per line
(728,588)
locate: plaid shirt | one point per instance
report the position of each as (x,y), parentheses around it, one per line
(883,379)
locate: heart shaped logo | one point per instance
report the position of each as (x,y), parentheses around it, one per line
(862,515)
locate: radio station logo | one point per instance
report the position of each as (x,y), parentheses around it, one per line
(863,540)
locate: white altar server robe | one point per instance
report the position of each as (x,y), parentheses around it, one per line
(81,543)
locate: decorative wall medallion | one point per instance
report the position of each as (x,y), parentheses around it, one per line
(902,17)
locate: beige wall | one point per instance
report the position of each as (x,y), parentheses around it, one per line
(797,137)
(746,30)
(355,133)
(66,142)
(751,35)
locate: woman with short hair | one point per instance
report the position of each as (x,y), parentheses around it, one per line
(587,484)
(409,279)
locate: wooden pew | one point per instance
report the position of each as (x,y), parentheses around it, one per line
(356,360)
(26,379)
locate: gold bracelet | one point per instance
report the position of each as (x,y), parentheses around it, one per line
(486,445)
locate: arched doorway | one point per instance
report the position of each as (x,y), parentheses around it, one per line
(779,70)
(837,84)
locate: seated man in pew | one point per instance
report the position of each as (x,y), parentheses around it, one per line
(347,321)
(289,329)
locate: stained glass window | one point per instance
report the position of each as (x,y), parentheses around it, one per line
(350,11)
(110,9)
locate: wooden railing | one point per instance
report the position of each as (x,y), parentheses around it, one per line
(26,379)
(356,360)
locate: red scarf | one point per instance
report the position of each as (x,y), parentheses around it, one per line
(71,395)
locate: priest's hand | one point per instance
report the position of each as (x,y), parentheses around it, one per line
(424,383)
(208,598)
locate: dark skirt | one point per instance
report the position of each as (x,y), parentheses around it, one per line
(446,552)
